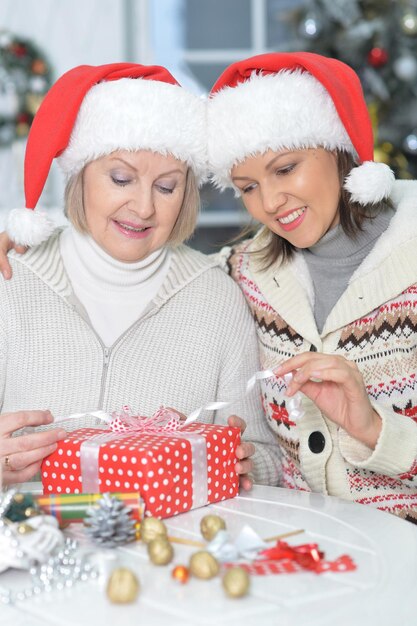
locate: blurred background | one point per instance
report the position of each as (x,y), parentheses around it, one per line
(196,40)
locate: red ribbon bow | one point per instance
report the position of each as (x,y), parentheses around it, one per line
(292,558)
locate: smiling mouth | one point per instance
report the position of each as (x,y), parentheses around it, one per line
(288,219)
(133,229)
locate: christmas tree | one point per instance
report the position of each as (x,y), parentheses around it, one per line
(378,39)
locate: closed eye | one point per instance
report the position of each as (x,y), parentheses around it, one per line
(285,170)
(248,188)
(121,182)
(165,190)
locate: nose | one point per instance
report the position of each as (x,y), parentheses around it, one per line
(273,200)
(142,203)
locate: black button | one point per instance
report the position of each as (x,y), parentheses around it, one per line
(316,442)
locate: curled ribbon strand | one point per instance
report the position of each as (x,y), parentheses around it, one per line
(170,420)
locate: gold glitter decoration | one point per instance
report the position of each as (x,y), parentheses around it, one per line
(123,586)
(210,526)
(203,565)
(160,551)
(236,582)
(151,528)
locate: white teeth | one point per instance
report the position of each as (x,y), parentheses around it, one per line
(292,216)
(135,230)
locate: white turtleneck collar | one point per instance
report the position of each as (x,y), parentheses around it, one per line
(113,293)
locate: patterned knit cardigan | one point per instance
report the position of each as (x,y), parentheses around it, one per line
(374,323)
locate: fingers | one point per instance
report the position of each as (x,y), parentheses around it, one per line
(238,422)
(19,249)
(244,464)
(334,369)
(10,422)
(33,441)
(245,450)
(18,461)
(5,245)
(21,476)
(246,483)
(299,361)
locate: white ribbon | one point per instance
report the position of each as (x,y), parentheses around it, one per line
(293,405)
(247,545)
(214,406)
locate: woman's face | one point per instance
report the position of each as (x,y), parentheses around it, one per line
(294,193)
(132,201)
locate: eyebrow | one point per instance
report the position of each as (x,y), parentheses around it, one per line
(174,171)
(268,166)
(272,161)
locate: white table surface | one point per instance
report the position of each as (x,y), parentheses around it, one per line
(382,591)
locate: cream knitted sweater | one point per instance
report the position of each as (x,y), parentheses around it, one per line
(195,344)
(374,323)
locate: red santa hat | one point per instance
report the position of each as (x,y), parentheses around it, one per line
(92,111)
(293,100)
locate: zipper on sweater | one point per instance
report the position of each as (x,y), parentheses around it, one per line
(106,359)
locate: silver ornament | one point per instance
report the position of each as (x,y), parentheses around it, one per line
(409,24)
(405,67)
(310,27)
(410,143)
(63,569)
(109,522)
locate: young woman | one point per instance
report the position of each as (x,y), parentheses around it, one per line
(114,310)
(331,276)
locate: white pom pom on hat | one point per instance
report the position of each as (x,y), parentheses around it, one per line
(293,100)
(92,111)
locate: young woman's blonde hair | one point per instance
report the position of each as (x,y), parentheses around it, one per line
(184,226)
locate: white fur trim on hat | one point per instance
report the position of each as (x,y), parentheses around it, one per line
(28,227)
(370,182)
(138,114)
(290,109)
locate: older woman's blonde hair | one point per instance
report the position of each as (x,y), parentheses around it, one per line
(183,228)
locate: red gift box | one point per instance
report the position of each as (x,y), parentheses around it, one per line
(173,472)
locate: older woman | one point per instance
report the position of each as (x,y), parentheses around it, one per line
(114,310)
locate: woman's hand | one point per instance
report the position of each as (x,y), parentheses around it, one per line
(21,456)
(337,389)
(243,452)
(6,244)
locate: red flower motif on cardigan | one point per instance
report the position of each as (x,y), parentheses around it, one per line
(408,411)
(280,414)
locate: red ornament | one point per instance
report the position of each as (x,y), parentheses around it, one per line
(377,57)
(18,49)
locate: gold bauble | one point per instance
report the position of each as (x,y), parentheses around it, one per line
(24,529)
(33,102)
(160,551)
(381,155)
(236,582)
(151,528)
(203,565)
(18,498)
(30,511)
(210,526)
(123,586)
(22,129)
